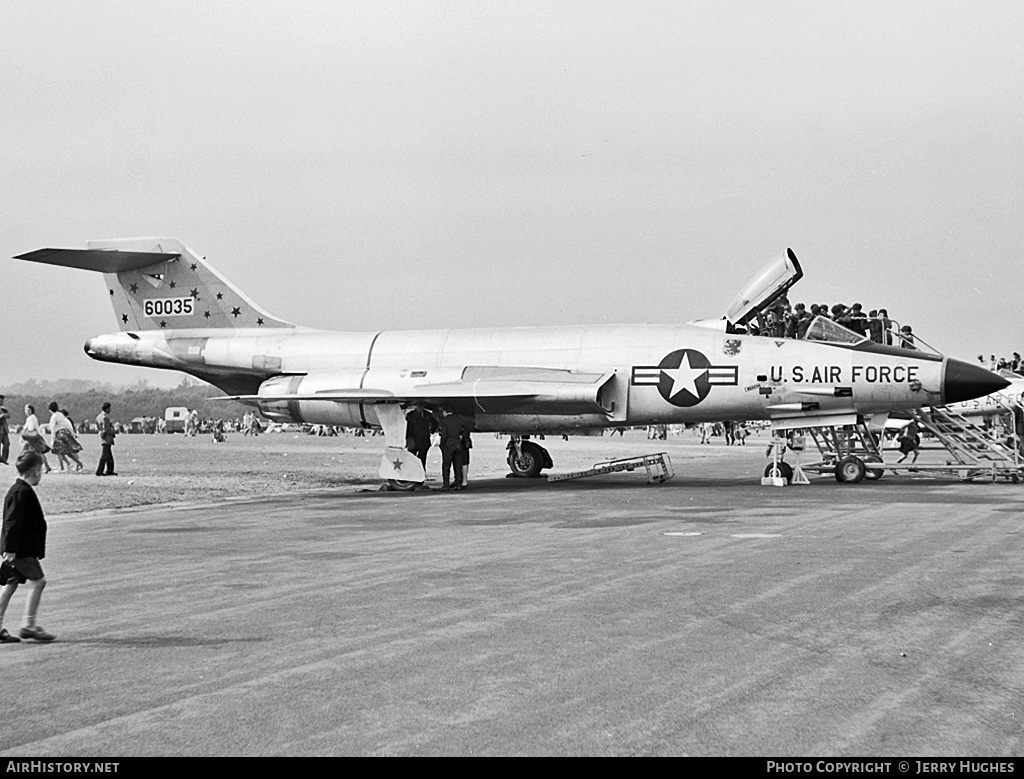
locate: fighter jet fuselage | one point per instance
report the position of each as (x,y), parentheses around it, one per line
(544,379)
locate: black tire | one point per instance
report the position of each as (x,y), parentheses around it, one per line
(398,485)
(873,474)
(850,470)
(530,462)
(785,470)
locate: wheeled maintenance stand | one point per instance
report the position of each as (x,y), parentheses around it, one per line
(659,468)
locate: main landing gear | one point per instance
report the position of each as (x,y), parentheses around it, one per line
(526,459)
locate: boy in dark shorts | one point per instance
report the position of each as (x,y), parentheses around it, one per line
(22,546)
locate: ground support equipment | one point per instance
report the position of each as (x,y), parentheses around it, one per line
(658,466)
(853,453)
(850,453)
(975,452)
(779,473)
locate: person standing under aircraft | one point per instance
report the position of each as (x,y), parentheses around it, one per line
(451,429)
(419,426)
(107,434)
(22,546)
(467,444)
(910,442)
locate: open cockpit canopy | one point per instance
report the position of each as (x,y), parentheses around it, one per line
(767,286)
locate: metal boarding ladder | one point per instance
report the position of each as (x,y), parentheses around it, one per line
(970,445)
(659,468)
(834,443)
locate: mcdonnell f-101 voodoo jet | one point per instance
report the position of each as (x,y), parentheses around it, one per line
(176,312)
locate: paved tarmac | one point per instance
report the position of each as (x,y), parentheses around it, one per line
(705,616)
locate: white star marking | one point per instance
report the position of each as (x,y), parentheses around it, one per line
(684,377)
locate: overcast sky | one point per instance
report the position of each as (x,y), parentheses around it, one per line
(383,165)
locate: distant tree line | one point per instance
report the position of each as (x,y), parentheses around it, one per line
(140,400)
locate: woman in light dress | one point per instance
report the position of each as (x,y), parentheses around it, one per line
(32,436)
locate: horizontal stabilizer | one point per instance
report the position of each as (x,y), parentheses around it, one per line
(99,260)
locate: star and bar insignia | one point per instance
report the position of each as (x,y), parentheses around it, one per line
(685,377)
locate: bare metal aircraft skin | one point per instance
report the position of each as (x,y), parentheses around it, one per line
(176,312)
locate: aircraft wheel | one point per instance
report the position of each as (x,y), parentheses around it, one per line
(850,470)
(530,461)
(873,474)
(398,485)
(785,470)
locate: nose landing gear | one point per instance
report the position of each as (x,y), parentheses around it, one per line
(527,459)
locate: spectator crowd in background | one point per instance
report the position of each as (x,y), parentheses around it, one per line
(1014,364)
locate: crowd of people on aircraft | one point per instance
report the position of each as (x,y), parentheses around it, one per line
(782,320)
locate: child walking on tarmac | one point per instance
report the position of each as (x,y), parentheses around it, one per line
(22,546)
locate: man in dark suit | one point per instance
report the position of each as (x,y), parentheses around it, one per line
(419,426)
(107,433)
(453,427)
(22,546)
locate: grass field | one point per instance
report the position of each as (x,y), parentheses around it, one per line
(155,469)
(172,468)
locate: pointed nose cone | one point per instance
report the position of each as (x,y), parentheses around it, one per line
(964,381)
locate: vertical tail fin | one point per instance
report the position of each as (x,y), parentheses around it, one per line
(161,284)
